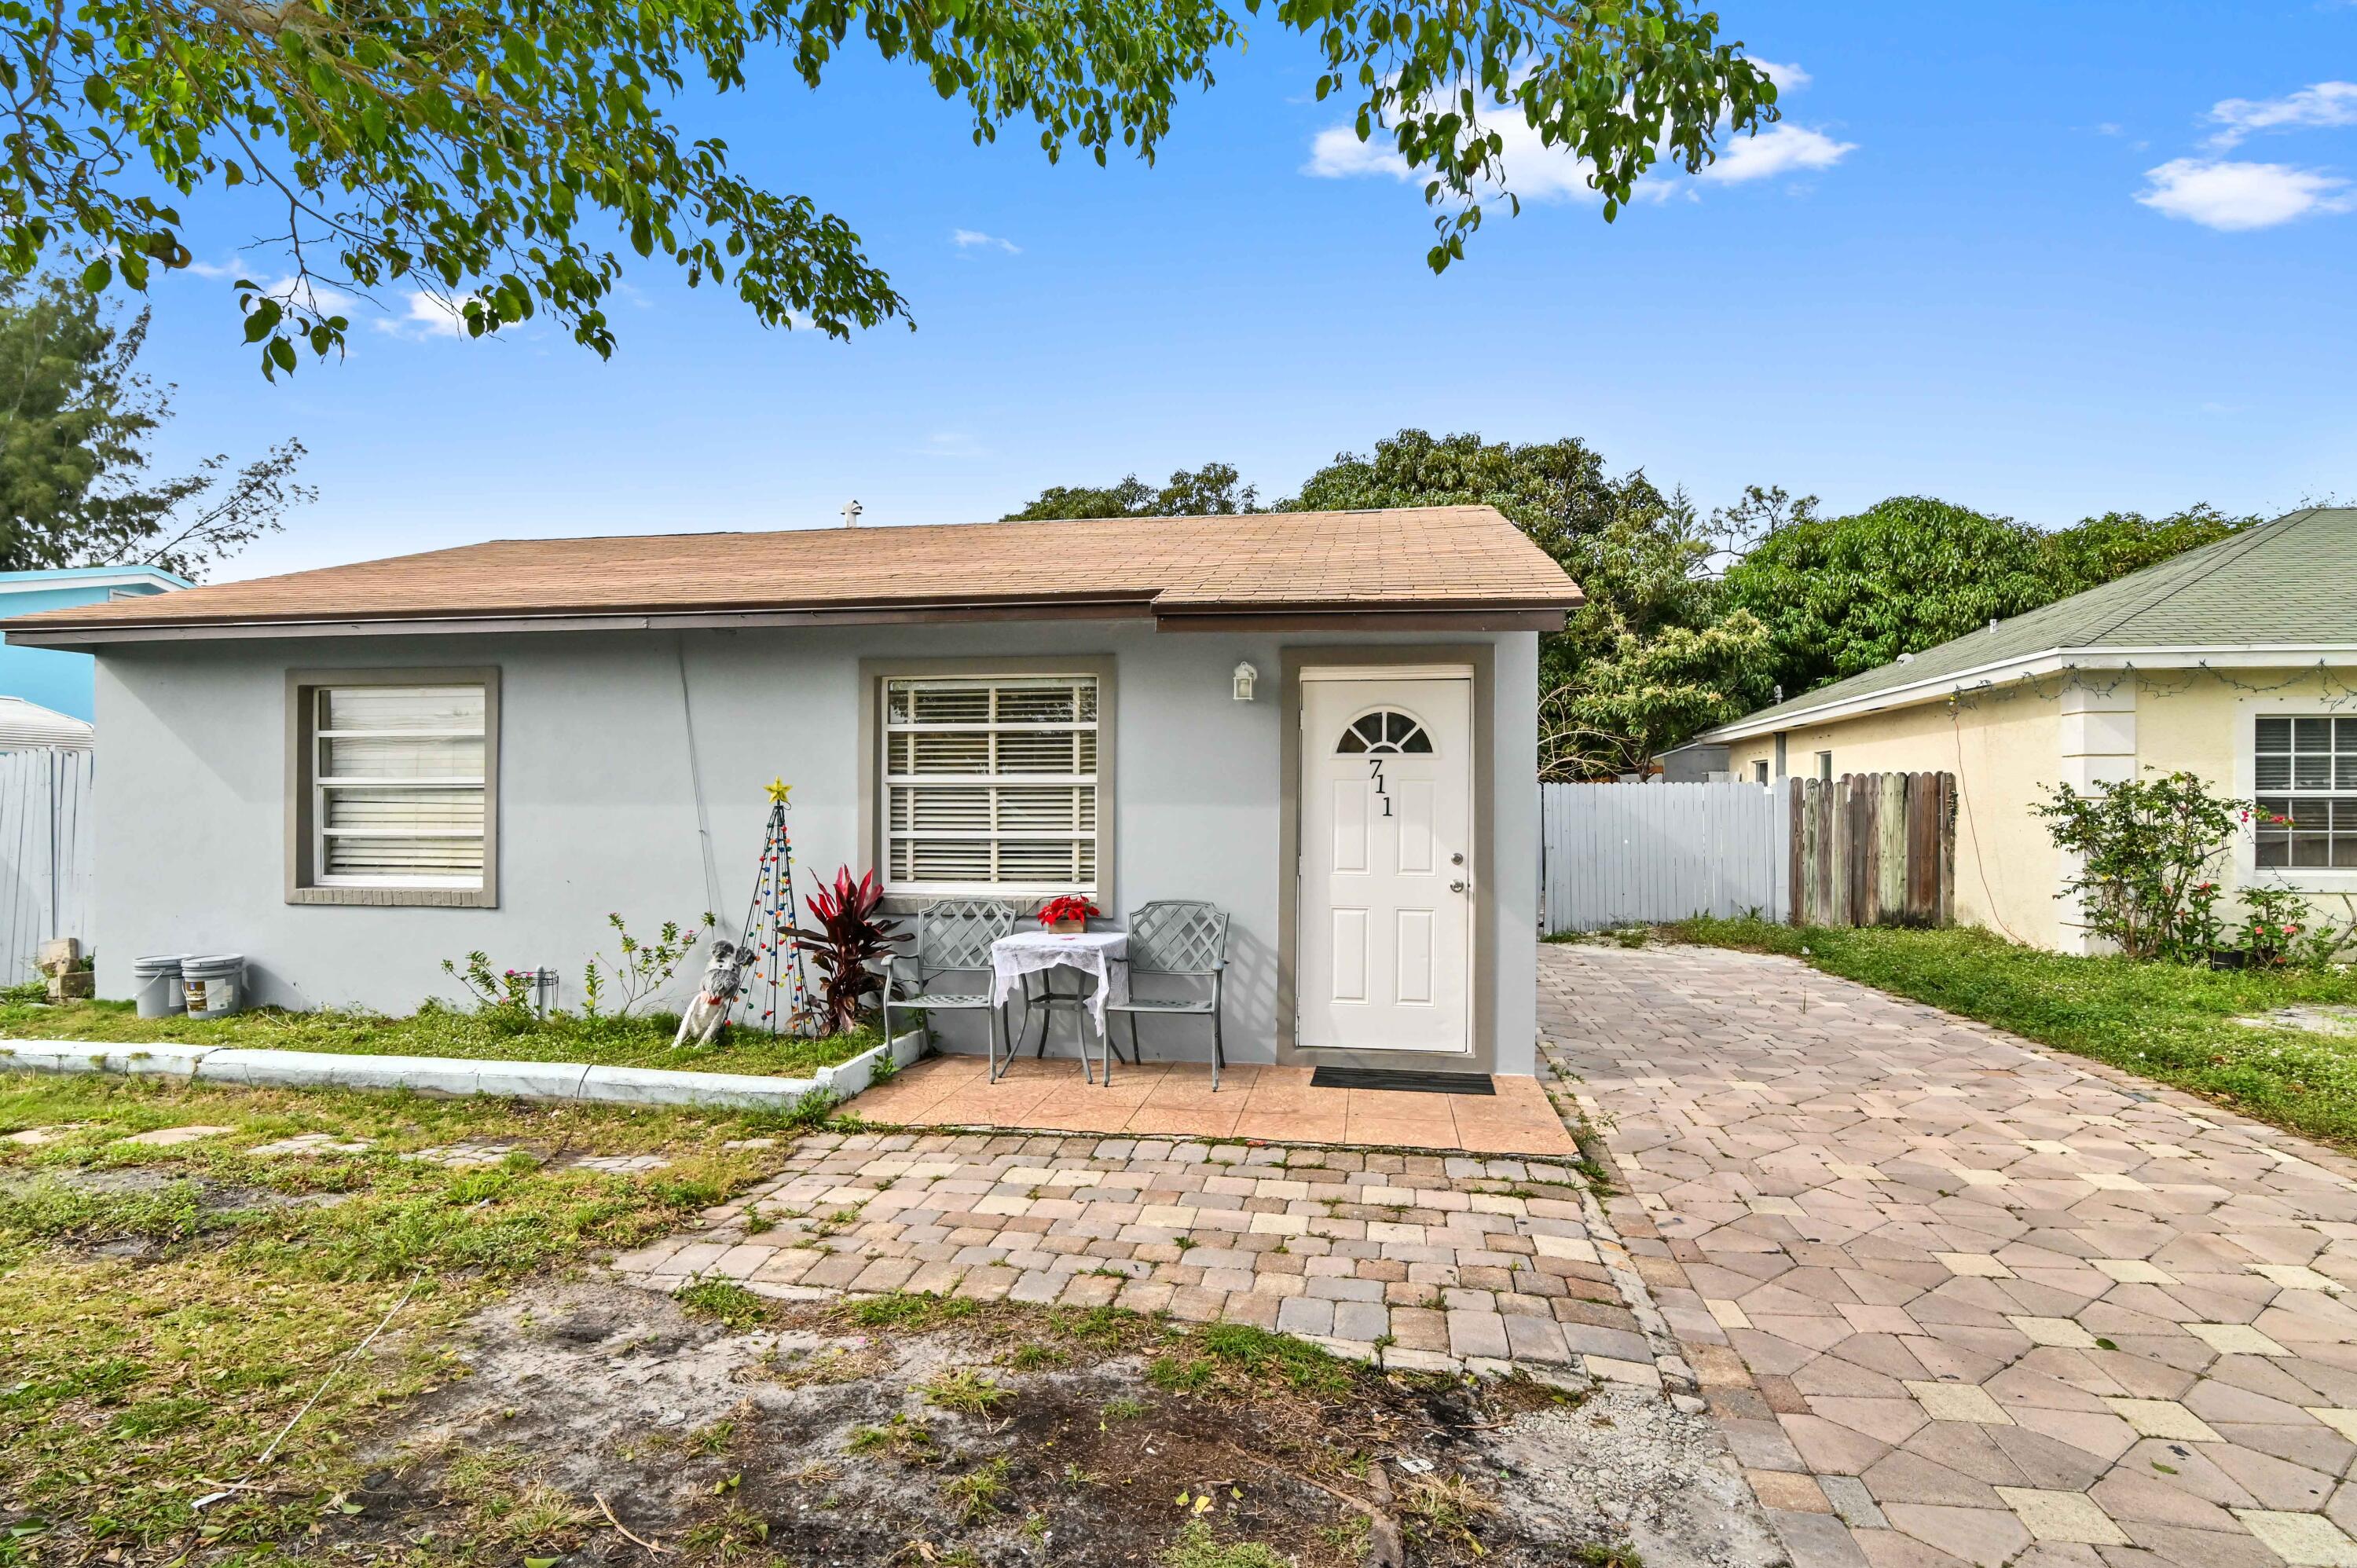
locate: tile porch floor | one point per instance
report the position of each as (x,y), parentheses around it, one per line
(1174,1100)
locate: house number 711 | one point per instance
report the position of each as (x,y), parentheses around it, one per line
(1375,768)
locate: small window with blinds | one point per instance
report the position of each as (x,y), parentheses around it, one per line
(991,785)
(397,788)
(2305,770)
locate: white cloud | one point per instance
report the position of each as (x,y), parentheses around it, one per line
(952,443)
(1539,173)
(969,239)
(2325,103)
(426,316)
(1782,149)
(217,269)
(2231,195)
(1787,78)
(1336,152)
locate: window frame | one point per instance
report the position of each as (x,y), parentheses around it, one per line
(875,779)
(2341,757)
(305,881)
(2292,704)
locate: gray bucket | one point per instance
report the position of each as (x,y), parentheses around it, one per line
(159,985)
(213,984)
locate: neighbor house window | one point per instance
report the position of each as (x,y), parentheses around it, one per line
(396,788)
(2305,772)
(1826,766)
(1759,771)
(991,784)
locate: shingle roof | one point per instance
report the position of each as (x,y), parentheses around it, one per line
(2291,583)
(1443,559)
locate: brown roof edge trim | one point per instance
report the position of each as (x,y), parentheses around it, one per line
(1372,618)
(47,636)
(1278,617)
(900,603)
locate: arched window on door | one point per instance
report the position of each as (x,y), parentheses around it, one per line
(1385,733)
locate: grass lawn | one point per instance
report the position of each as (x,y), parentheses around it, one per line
(167,1313)
(164,1310)
(444,1032)
(2167,1022)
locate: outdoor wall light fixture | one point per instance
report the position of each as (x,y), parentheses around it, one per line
(1245,677)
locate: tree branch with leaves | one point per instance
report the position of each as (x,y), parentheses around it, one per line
(482,153)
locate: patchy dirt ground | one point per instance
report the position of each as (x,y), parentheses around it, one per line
(602,1423)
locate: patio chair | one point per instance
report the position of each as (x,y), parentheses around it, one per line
(953,937)
(1184,940)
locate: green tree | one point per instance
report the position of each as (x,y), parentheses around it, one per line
(1211,491)
(76,417)
(485,151)
(1617,687)
(2097,549)
(1622,707)
(1844,594)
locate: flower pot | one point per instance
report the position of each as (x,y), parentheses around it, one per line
(1068,928)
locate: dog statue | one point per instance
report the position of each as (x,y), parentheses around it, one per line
(724,977)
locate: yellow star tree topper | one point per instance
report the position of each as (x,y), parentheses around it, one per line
(779,790)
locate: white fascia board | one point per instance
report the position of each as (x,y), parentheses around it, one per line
(2030,667)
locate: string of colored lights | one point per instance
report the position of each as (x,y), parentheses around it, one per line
(2335,688)
(769,928)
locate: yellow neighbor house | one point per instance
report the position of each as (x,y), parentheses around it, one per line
(2236,661)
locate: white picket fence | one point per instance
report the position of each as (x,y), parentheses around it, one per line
(47,846)
(1615,854)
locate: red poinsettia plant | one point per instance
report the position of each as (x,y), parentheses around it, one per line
(1071,912)
(848,945)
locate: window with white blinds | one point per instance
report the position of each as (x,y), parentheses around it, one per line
(398,787)
(2306,773)
(991,785)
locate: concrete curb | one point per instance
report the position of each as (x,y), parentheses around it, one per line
(455,1076)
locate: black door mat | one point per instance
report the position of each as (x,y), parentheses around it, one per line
(1411,1082)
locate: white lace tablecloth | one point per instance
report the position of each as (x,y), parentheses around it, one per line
(1105,954)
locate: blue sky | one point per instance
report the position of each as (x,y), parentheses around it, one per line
(2039,259)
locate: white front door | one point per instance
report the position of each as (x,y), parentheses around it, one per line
(1386,906)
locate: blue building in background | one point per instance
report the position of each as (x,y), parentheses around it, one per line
(62,681)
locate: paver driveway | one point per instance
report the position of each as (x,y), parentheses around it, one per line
(1954,1299)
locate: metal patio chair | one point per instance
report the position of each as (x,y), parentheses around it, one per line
(1184,940)
(952,943)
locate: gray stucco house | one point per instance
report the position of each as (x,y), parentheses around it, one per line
(1324,723)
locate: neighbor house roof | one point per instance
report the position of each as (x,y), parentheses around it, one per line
(2283,592)
(26,726)
(1463,565)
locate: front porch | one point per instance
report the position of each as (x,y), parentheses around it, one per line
(1255,1103)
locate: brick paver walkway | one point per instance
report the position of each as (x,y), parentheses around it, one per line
(1953,1300)
(1421,1261)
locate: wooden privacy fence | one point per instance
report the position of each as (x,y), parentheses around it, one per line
(1873,849)
(46,850)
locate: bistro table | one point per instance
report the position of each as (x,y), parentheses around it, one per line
(1103,955)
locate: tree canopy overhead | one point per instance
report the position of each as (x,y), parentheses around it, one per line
(485,151)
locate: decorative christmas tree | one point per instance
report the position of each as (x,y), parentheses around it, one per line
(776,996)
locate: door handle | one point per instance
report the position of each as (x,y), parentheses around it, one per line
(1456,887)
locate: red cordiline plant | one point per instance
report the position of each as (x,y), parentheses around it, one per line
(851,940)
